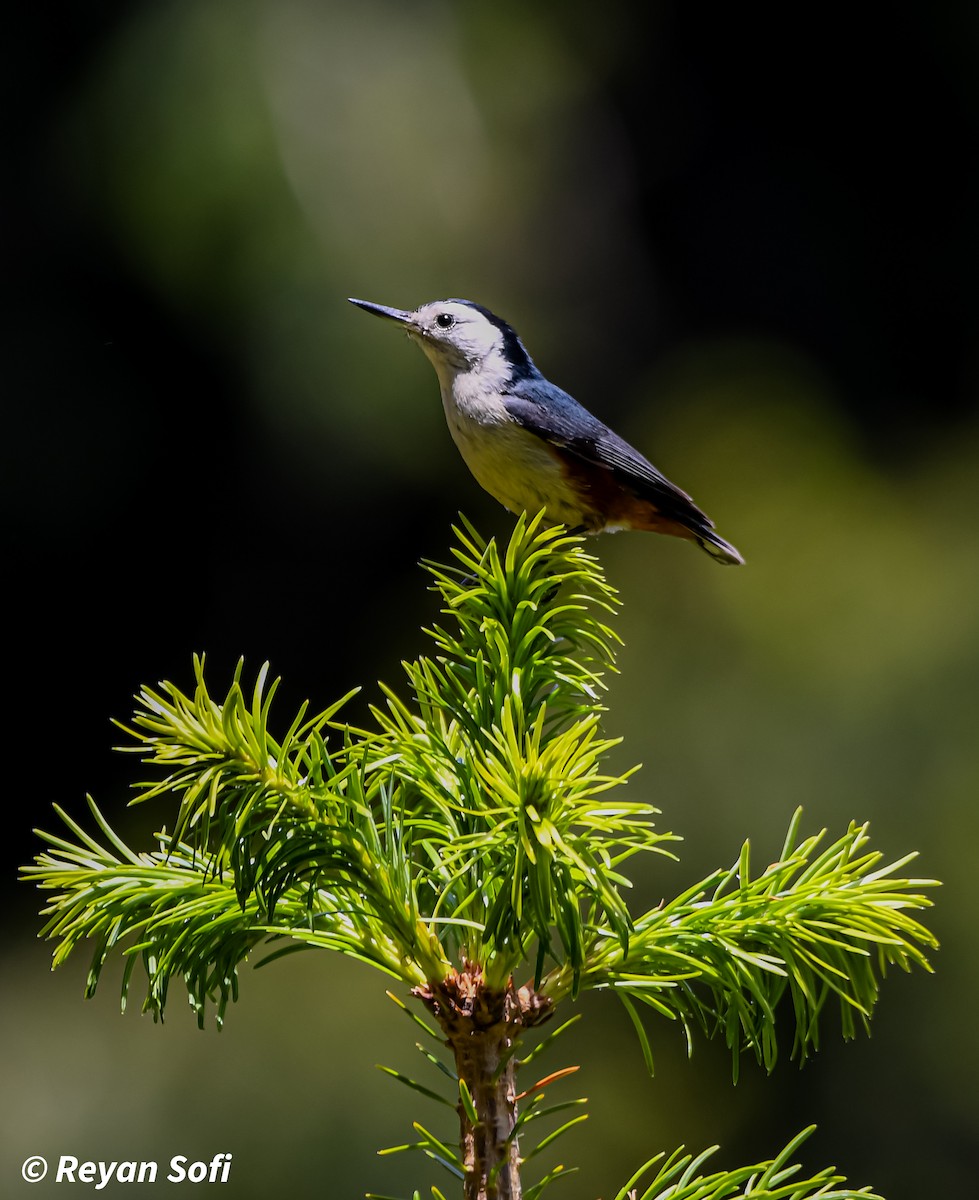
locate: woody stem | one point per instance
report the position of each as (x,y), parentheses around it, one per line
(482,1027)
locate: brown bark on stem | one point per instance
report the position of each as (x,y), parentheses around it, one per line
(482,1027)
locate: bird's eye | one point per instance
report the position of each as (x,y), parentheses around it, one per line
(445,320)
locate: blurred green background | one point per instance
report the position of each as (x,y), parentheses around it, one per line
(748,240)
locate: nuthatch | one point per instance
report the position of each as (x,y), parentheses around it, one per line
(531,445)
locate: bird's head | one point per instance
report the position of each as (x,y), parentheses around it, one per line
(458,335)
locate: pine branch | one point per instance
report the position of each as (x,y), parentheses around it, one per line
(816,925)
(499,756)
(183,918)
(677,1178)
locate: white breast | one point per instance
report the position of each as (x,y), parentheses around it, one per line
(514,466)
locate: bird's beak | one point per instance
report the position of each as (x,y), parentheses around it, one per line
(382,310)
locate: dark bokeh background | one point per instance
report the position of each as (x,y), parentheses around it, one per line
(747,239)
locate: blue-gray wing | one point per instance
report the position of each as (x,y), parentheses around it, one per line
(551,414)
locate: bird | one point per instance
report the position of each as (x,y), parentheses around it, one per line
(531,445)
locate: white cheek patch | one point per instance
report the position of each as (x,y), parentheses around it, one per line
(493,372)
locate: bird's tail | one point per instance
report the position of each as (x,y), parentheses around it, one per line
(719,550)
